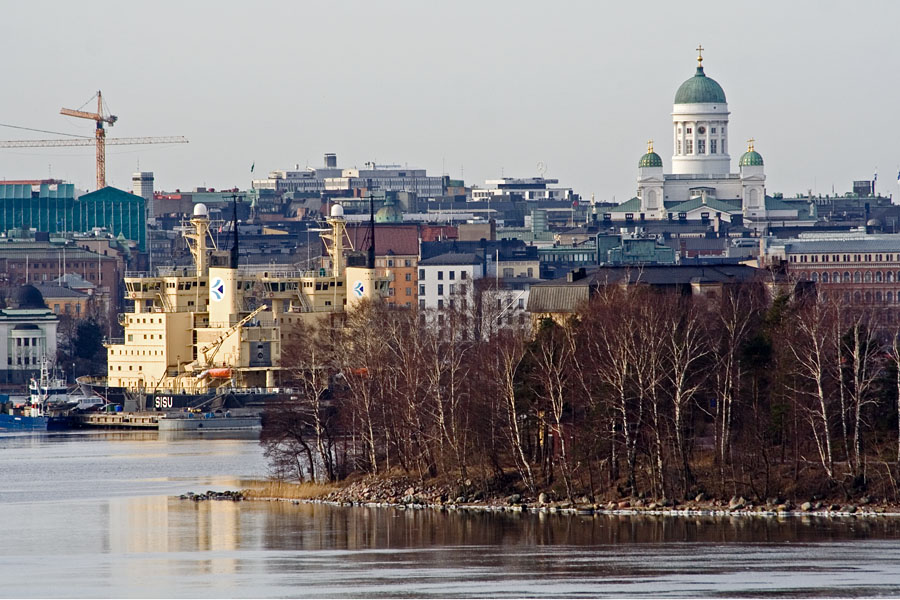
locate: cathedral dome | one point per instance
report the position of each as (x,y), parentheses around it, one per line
(700,89)
(751,158)
(651,159)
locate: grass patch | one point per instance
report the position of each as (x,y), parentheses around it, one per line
(287,490)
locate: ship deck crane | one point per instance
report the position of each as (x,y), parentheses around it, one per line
(99,139)
(207,353)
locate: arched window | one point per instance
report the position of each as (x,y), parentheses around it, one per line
(846,297)
(877,276)
(878,297)
(868,277)
(868,297)
(847,277)
(857,298)
(824,296)
(824,276)
(857,277)
(815,276)
(889,297)
(889,277)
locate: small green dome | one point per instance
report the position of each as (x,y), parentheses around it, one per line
(389,213)
(699,89)
(751,158)
(651,159)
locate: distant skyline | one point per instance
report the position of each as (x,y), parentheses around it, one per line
(473,89)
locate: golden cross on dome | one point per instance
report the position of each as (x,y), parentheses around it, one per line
(750,145)
(699,55)
(649,146)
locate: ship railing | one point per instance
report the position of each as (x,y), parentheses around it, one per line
(261,390)
(255,322)
(116,341)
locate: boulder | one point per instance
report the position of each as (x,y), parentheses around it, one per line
(514,499)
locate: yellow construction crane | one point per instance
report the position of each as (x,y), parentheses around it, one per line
(99,138)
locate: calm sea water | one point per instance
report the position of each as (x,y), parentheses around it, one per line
(93,515)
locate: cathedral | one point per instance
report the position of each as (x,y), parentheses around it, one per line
(701,185)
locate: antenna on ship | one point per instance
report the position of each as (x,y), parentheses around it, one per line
(234,246)
(370,260)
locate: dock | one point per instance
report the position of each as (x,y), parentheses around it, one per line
(169,421)
(120,420)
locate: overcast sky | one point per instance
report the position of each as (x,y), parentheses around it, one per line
(477,89)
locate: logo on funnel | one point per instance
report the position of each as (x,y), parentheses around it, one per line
(358,289)
(217,289)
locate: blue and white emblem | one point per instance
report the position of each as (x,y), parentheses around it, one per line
(358,289)
(217,289)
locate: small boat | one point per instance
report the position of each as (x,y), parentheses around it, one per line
(45,409)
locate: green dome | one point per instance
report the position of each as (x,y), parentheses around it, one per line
(389,213)
(751,158)
(699,88)
(651,159)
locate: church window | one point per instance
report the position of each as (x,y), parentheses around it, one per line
(688,146)
(701,146)
(712,146)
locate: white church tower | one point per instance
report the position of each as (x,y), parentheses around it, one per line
(700,126)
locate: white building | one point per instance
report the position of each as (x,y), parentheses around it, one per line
(28,330)
(701,184)
(531,188)
(458,280)
(331,178)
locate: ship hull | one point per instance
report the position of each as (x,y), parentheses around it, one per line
(22,423)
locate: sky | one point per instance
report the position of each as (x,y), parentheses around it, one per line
(472,89)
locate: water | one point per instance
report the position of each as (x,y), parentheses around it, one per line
(94,515)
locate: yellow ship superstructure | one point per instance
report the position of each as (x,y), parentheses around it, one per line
(215,326)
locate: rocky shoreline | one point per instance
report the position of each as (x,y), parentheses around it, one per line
(404,495)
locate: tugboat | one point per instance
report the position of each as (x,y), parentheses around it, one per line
(46,407)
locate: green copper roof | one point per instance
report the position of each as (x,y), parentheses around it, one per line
(751,158)
(699,88)
(651,159)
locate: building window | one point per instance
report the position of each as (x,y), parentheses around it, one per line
(421,273)
(712,145)
(877,276)
(688,130)
(824,276)
(521,303)
(462,274)
(712,129)
(421,289)
(701,146)
(846,276)
(440,303)
(422,303)
(452,288)
(857,278)
(452,275)
(678,147)
(440,289)
(409,276)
